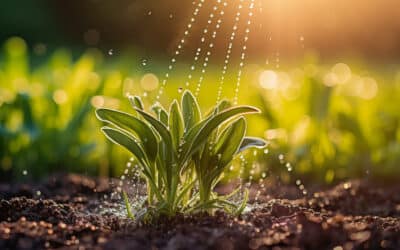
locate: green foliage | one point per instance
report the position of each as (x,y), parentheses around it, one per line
(179,151)
(329,132)
(41,124)
(333,132)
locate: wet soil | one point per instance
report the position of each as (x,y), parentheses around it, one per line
(70,212)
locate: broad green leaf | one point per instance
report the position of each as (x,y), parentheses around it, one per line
(189,136)
(175,124)
(127,142)
(163,117)
(163,161)
(229,142)
(190,110)
(252,142)
(160,113)
(133,126)
(136,102)
(202,135)
(221,106)
(167,161)
(161,129)
(156,109)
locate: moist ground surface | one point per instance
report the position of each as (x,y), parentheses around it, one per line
(70,212)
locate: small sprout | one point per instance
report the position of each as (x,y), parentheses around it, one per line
(128,206)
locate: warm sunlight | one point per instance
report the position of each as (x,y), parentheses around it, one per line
(201,124)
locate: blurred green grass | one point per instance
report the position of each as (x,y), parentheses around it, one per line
(330,122)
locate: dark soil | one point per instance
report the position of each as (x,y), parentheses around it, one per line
(65,215)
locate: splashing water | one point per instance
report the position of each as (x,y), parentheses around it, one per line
(210,47)
(228,53)
(133,186)
(180,45)
(203,40)
(261,185)
(243,53)
(242,184)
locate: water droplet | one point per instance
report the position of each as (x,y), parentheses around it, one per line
(111,52)
(144,62)
(180,89)
(263,175)
(24,172)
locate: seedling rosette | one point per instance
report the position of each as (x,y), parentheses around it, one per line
(182,156)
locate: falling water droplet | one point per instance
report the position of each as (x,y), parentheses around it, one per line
(198,6)
(111,52)
(144,62)
(180,89)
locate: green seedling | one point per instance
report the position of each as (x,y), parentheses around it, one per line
(182,156)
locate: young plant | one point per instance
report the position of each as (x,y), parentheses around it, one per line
(182,156)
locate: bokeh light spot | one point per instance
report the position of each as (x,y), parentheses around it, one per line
(149,82)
